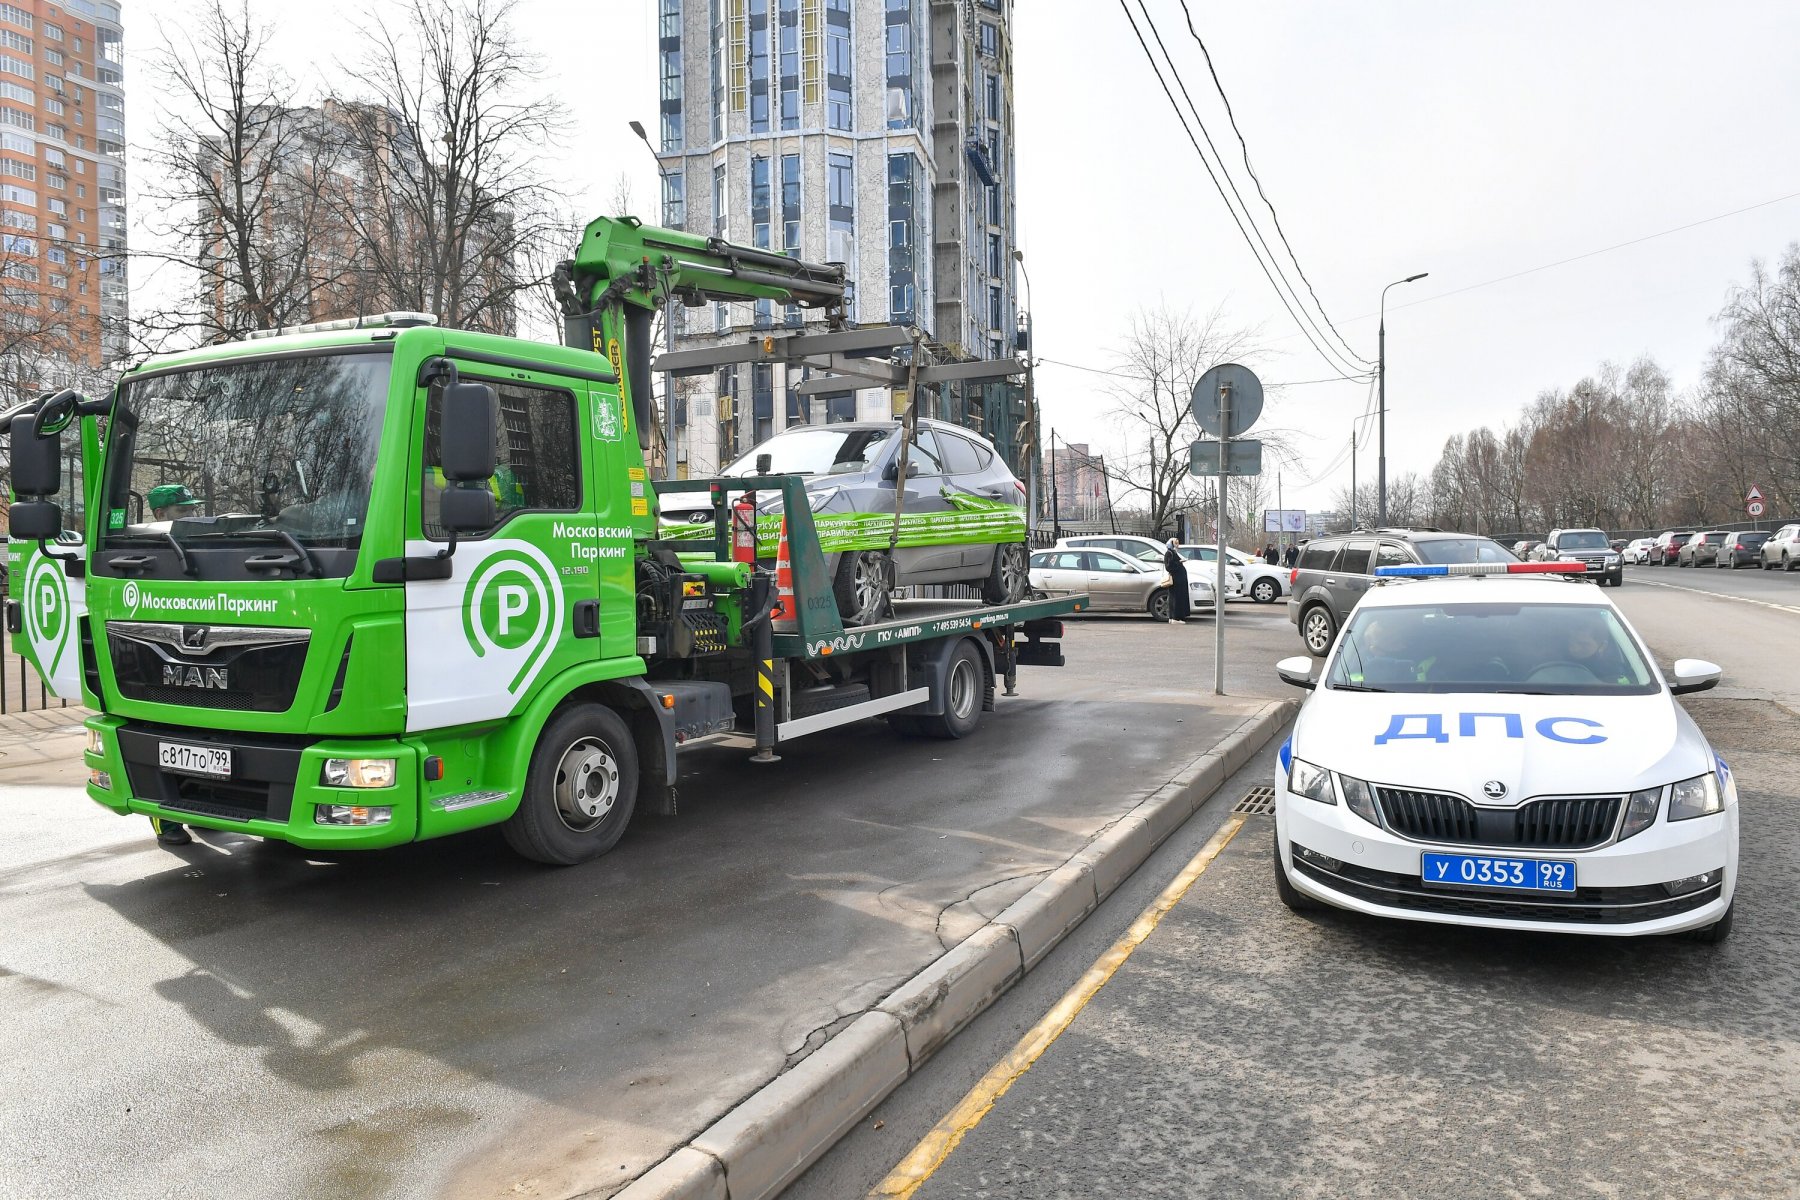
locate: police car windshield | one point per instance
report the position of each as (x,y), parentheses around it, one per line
(1441,551)
(1540,649)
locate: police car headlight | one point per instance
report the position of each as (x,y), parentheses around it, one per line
(1640,811)
(1359,798)
(1696,797)
(1314,783)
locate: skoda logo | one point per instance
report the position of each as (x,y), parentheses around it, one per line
(1493,789)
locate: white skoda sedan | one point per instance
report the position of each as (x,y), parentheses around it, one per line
(1504,753)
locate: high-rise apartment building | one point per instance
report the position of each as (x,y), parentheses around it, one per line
(876,133)
(63,294)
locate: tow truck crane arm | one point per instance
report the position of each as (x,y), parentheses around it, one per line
(624,270)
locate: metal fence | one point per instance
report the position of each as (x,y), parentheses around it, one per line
(21,688)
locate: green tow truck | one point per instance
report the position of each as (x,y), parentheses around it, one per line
(412,581)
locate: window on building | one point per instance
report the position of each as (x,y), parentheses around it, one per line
(840,198)
(669,51)
(993,97)
(18,243)
(59,281)
(762,391)
(837,64)
(54,58)
(790,203)
(19,220)
(718,213)
(674,197)
(996,211)
(901,61)
(787,46)
(22,120)
(22,170)
(727,386)
(540,467)
(22,271)
(903,237)
(759,65)
(996,309)
(996,255)
(759,201)
(20,16)
(14,194)
(17,66)
(988,38)
(717,43)
(12,39)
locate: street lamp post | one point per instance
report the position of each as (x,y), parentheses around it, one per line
(1055,500)
(668,330)
(1381,376)
(1031,416)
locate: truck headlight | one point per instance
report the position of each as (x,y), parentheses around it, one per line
(1696,797)
(352,814)
(1640,811)
(358,773)
(1359,798)
(96,741)
(1314,783)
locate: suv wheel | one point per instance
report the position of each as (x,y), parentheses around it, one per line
(1318,630)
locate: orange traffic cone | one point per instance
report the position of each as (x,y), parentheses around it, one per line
(782,619)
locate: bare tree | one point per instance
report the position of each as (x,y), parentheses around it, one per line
(246,172)
(1165,353)
(449,140)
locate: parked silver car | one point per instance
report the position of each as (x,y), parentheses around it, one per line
(1782,550)
(1112,580)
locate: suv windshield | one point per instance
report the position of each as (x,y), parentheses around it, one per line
(1442,551)
(1535,649)
(1590,540)
(815,452)
(248,451)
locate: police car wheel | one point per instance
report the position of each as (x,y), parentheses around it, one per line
(1317,630)
(1296,900)
(1718,931)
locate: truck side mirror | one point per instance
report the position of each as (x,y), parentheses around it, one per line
(36,459)
(34,520)
(466,448)
(466,509)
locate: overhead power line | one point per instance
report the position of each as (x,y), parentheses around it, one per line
(1146,379)
(1329,359)
(1244,147)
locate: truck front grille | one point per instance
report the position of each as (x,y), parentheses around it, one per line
(239,669)
(263,772)
(1559,823)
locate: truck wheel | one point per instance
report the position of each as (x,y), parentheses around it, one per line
(1293,897)
(580,789)
(1009,578)
(964,688)
(1160,605)
(1264,591)
(1317,630)
(863,587)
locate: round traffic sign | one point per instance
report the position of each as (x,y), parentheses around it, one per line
(1754,508)
(1246,396)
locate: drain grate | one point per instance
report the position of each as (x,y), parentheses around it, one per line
(1257,801)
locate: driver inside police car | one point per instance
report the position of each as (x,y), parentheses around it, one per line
(1381,646)
(1587,644)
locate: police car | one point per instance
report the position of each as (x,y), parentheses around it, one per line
(1504,753)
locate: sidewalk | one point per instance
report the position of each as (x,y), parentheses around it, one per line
(42,746)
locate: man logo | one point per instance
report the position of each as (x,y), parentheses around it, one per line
(1493,789)
(193,637)
(512,612)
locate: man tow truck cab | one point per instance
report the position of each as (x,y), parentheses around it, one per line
(425,590)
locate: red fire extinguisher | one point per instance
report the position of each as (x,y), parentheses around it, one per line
(743,530)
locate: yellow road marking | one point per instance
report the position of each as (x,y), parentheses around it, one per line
(926,1157)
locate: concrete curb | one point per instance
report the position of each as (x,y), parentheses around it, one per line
(766,1141)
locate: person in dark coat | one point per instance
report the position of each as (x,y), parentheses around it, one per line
(1293,555)
(1178,589)
(1271,555)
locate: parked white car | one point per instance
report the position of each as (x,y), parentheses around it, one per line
(1113,580)
(1150,550)
(1782,551)
(1638,552)
(1262,583)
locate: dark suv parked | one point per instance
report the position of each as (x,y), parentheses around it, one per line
(1334,572)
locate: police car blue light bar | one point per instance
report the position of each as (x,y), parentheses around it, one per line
(1517,568)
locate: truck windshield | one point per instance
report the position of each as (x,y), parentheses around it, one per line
(816,451)
(248,451)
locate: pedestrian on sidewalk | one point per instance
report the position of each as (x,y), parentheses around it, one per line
(1271,555)
(170,833)
(1178,585)
(1293,555)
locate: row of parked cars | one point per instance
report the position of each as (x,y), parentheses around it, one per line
(1722,548)
(1124,572)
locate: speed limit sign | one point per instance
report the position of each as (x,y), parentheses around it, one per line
(1754,508)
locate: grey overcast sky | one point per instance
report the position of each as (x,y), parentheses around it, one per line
(1470,140)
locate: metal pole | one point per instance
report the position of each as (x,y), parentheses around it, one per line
(662,176)
(1381,452)
(1219,583)
(1353,476)
(1280,520)
(1055,500)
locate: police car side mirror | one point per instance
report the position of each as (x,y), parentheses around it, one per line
(1693,675)
(1298,671)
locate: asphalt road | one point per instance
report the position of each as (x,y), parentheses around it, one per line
(1245,1051)
(241,1019)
